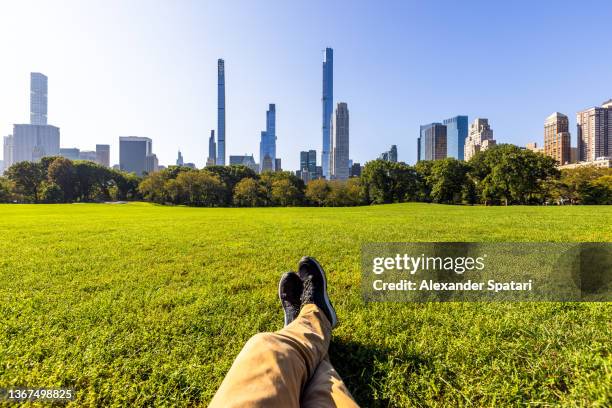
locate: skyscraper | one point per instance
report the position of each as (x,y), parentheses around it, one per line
(267,145)
(340,143)
(456,133)
(221,112)
(308,165)
(31,142)
(390,155)
(212,149)
(179,159)
(557,138)
(479,139)
(103,154)
(432,142)
(135,155)
(328,108)
(594,127)
(38,99)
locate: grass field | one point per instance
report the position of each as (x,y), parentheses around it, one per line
(139,305)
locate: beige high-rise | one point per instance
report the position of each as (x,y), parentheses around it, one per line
(479,139)
(594,127)
(557,140)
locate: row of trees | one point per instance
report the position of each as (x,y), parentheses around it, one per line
(502,175)
(60,180)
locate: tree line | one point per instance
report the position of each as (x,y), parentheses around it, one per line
(502,175)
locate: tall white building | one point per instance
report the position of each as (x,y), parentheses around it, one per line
(33,141)
(38,98)
(340,143)
(480,138)
(594,128)
(8,151)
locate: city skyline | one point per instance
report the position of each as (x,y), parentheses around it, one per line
(506,82)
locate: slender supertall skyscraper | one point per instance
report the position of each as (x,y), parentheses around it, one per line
(328,109)
(267,145)
(212,149)
(221,112)
(38,99)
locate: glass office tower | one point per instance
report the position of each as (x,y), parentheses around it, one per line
(456,133)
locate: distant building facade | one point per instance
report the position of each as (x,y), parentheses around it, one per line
(245,160)
(179,159)
(480,138)
(390,155)
(355,170)
(151,164)
(7,151)
(456,133)
(136,155)
(308,166)
(88,155)
(212,150)
(103,155)
(267,144)
(594,132)
(601,162)
(38,98)
(557,141)
(431,143)
(340,142)
(533,146)
(71,153)
(33,142)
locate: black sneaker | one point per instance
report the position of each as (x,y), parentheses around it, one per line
(315,287)
(290,292)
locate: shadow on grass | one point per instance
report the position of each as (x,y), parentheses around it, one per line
(364,370)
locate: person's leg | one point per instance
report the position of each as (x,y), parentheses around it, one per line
(326,389)
(273,368)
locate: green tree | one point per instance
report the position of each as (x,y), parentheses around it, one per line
(447,180)
(423,171)
(201,188)
(509,174)
(388,182)
(285,193)
(51,193)
(61,173)
(230,176)
(123,186)
(153,187)
(27,177)
(317,192)
(248,192)
(6,190)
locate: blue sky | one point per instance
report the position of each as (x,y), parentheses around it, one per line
(148,68)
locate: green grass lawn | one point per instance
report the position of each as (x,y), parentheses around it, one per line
(140,305)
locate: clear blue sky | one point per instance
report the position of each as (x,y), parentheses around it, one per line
(148,68)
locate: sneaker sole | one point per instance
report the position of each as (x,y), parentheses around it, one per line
(281,300)
(332,311)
